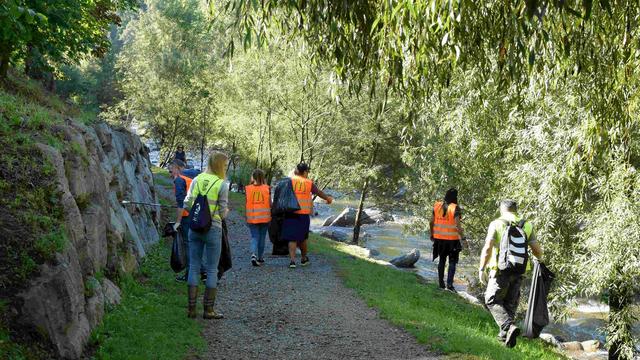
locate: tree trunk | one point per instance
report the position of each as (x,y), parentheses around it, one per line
(363,196)
(4,66)
(621,295)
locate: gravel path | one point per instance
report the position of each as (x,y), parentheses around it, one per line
(273,312)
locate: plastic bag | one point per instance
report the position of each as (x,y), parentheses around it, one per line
(178,253)
(284,199)
(225,251)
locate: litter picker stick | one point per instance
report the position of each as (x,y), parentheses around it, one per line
(127,202)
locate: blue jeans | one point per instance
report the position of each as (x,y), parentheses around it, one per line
(184,227)
(209,244)
(258,235)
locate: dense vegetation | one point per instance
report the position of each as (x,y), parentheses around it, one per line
(534,100)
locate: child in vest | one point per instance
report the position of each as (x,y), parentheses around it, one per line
(258,213)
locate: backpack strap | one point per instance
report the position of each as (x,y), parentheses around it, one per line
(521,223)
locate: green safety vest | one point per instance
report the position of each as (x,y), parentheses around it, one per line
(500,227)
(204,184)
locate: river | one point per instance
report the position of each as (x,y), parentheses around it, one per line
(391,240)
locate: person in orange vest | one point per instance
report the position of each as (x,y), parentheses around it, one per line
(258,213)
(181,185)
(446,235)
(295,228)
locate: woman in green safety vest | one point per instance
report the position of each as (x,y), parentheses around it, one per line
(212,184)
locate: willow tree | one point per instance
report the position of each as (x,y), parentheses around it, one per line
(534,51)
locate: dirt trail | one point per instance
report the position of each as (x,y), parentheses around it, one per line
(273,312)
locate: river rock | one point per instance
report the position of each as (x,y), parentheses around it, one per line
(408,260)
(374,252)
(548,338)
(336,235)
(347,218)
(572,346)
(591,346)
(328,220)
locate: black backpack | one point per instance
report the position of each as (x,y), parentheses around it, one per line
(514,254)
(200,214)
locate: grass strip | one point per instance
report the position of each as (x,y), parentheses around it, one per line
(151,321)
(441,320)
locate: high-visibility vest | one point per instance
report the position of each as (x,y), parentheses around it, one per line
(444,226)
(302,189)
(258,204)
(205,185)
(188,180)
(500,225)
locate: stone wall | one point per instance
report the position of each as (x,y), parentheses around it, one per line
(68,297)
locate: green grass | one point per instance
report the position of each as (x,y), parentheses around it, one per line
(237,202)
(441,320)
(151,321)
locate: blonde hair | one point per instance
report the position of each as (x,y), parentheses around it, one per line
(217,164)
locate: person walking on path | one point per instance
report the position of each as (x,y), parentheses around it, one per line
(505,255)
(210,184)
(295,228)
(258,213)
(446,235)
(180,154)
(181,185)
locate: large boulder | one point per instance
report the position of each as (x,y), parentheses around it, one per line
(336,235)
(591,346)
(407,260)
(347,218)
(328,220)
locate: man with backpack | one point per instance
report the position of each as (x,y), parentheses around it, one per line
(505,255)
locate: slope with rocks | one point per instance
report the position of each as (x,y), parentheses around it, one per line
(67,238)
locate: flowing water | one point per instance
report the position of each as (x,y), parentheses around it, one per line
(390,240)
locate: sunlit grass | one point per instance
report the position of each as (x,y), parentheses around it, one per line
(441,320)
(151,321)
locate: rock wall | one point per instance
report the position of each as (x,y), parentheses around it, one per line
(103,167)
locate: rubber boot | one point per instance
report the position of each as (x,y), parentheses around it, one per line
(209,303)
(193,299)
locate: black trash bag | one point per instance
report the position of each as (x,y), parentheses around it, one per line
(225,254)
(168,230)
(284,199)
(178,253)
(279,246)
(537,311)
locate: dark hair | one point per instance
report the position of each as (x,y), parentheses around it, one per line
(178,163)
(258,177)
(180,147)
(301,168)
(509,204)
(451,197)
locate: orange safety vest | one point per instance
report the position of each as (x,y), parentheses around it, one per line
(258,204)
(188,180)
(302,189)
(444,226)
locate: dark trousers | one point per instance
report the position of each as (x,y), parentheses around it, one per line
(502,297)
(453,262)
(448,251)
(184,228)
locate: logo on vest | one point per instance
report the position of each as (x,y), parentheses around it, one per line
(300,187)
(257,197)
